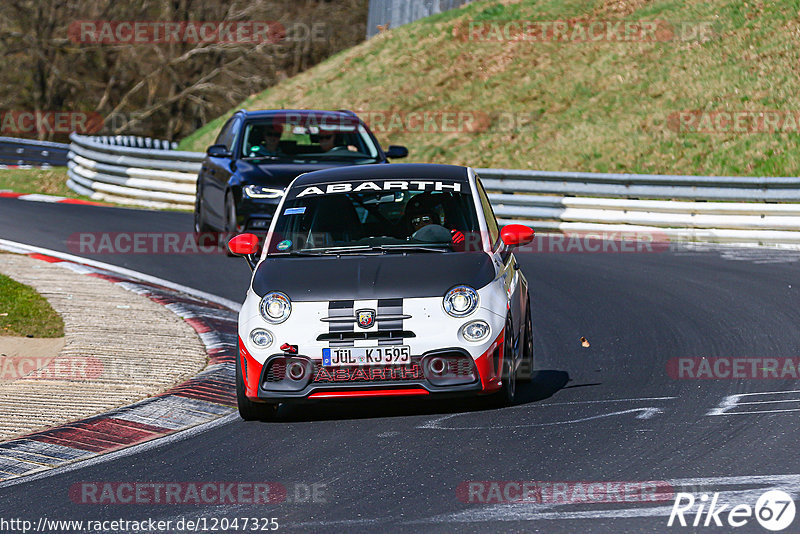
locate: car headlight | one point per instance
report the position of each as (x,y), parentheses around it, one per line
(275,307)
(261,338)
(460,301)
(259,191)
(475,331)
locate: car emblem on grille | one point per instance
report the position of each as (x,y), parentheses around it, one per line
(366,318)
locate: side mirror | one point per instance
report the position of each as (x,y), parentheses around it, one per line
(218,151)
(396,152)
(245,245)
(514,235)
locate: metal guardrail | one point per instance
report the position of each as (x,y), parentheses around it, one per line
(137,142)
(15,151)
(653,186)
(156,178)
(758,210)
(704,208)
(395,13)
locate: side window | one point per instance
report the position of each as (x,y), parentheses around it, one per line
(227,136)
(491,221)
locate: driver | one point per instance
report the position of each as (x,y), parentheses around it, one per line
(269,144)
(327,140)
(421,218)
(330,140)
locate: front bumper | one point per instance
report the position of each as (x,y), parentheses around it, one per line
(255,214)
(414,380)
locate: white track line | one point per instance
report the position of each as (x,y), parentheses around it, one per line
(14,246)
(135,449)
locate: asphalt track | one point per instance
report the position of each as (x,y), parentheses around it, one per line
(603,413)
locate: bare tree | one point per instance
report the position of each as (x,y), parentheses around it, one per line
(157,88)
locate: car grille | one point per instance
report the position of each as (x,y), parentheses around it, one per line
(371,374)
(386,328)
(459,366)
(276,372)
(374,335)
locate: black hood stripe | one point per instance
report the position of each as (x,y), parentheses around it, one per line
(390,307)
(341,308)
(373,277)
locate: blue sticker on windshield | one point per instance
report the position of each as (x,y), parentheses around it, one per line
(294,211)
(283,245)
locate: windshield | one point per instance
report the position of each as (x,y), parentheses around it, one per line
(375,221)
(306,138)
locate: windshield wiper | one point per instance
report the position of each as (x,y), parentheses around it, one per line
(414,248)
(251,158)
(351,250)
(387,248)
(295,253)
(343,156)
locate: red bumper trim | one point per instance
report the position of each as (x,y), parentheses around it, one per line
(490,381)
(368,393)
(253,374)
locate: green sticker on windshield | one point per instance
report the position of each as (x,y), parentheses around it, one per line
(283,245)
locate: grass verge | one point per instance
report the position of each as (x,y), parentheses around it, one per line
(45,181)
(52,181)
(605,106)
(24,312)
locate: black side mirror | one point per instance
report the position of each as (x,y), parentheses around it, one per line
(396,151)
(218,151)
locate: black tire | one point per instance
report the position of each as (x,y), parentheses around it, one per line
(229,232)
(249,410)
(526,366)
(203,233)
(508,392)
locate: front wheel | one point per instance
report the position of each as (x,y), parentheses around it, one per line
(249,410)
(230,222)
(508,392)
(202,232)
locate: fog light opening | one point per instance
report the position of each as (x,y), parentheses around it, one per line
(475,331)
(296,370)
(261,338)
(438,366)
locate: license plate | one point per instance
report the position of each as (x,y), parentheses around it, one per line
(344,356)
(259,223)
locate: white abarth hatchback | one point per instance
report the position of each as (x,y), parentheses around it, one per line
(383,281)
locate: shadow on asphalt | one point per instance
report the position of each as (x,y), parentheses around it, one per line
(544,384)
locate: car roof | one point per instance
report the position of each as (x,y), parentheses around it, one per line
(389,171)
(266,113)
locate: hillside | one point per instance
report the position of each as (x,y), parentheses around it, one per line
(583,105)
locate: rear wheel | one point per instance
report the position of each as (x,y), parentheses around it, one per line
(526,366)
(249,410)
